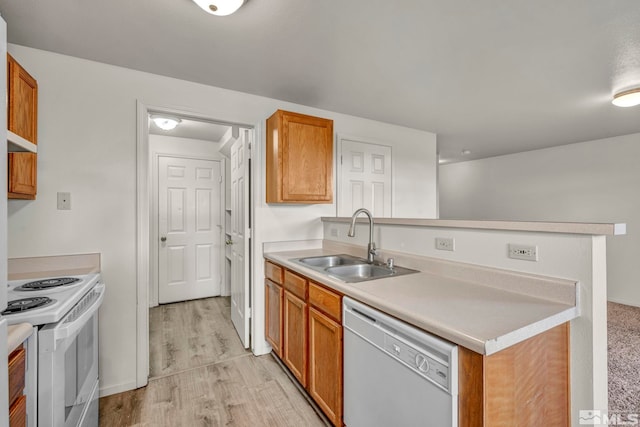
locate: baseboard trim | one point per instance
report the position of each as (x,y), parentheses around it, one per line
(623,301)
(115,389)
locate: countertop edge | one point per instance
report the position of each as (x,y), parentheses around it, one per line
(595,229)
(17,334)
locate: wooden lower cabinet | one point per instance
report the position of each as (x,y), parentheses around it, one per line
(17,400)
(294,353)
(526,384)
(325,364)
(22,175)
(311,345)
(273,294)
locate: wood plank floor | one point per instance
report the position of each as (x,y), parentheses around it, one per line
(203,377)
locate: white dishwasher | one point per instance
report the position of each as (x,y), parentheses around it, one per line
(395,374)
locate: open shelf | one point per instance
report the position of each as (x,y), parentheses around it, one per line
(16,143)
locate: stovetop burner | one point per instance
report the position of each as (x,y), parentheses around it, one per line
(25,304)
(48,283)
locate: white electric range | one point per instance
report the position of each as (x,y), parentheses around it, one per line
(65,312)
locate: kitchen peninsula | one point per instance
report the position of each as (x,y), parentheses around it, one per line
(478,297)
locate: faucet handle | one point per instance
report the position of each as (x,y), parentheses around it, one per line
(390,263)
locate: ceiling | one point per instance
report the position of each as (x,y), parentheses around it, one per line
(492,76)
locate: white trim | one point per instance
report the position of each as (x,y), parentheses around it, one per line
(115,389)
(143,173)
(143,224)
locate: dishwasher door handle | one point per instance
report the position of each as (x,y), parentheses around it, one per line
(361,314)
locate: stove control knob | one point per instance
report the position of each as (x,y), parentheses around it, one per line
(422,363)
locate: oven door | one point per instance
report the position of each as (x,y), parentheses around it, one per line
(68,365)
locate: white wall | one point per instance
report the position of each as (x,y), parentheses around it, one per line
(87,146)
(595,181)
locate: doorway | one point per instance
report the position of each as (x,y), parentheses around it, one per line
(184,188)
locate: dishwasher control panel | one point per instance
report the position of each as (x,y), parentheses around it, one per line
(420,362)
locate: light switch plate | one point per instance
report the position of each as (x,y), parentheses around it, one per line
(64,201)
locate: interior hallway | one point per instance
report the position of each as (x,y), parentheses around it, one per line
(200,375)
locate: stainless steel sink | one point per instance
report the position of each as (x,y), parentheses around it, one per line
(351,269)
(364,272)
(331,260)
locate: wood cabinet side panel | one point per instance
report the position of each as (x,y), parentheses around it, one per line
(528,384)
(273,159)
(325,364)
(470,388)
(294,353)
(274,296)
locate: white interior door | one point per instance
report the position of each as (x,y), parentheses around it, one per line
(240,234)
(365,179)
(189,229)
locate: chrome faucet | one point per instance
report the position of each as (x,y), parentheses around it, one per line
(371,249)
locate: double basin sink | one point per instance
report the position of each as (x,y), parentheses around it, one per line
(351,269)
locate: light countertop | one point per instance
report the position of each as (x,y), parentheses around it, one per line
(482,318)
(17,334)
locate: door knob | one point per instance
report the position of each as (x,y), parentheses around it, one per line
(163,239)
(229,242)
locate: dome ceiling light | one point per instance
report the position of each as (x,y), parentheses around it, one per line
(219,7)
(166,122)
(627,98)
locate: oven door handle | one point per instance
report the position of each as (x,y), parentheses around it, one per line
(74,321)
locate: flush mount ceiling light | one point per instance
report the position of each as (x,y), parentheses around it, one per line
(628,98)
(219,7)
(166,122)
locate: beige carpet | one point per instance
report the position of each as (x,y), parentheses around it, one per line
(623,326)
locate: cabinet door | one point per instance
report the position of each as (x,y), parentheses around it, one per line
(22,175)
(273,315)
(295,336)
(325,364)
(23,101)
(299,159)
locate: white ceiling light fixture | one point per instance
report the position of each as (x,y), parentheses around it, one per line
(219,7)
(166,122)
(627,98)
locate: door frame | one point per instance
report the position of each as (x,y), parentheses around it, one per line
(144,223)
(154,279)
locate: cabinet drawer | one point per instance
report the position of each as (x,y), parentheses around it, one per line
(325,300)
(16,373)
(273,272)
(295,284)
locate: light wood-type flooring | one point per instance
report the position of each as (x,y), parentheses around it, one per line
(202,376)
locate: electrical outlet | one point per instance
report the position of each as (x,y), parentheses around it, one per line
(445,243)
(527,253)
(64,201)
(333,232)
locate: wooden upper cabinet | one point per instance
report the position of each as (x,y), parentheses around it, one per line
(22,90)
(299,159)
(22,175)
